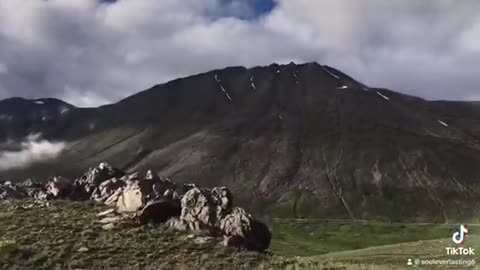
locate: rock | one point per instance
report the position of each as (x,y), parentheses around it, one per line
(33,189)
(197,212)
(83,249)
(177,224)
(107,220)
(131,199)
(106,189)
(112,200)
(170,194)
(213,211)
(10,191)
(27,206)
(163,188)
(187,187)
(240,226)
(202,240)
(152,199)
(59,188)
(108,227)
(159,211)
(130,177)
(223,200)
(95,176)
(232,241)
(151,176)
(138,192)
(106,213)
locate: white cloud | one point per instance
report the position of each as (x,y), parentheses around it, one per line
(3,68)
(33,149)
(91,53)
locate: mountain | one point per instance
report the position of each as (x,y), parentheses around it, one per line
(292,140)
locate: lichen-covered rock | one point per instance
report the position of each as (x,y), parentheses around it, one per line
(213,211)
(198,212)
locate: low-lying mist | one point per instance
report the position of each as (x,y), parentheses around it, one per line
(32,149)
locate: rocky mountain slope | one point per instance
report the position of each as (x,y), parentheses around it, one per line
(289,140)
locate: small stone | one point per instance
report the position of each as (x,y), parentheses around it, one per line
(106,212)
(83,249)
(202,240)
(108,227)
(109,220)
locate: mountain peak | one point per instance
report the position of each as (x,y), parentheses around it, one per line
(286,136)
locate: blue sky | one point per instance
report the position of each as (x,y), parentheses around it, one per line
(261,7)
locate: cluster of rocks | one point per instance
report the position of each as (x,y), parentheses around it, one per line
(152,199)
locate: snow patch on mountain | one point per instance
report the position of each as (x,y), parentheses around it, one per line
(442,123)
(64,110)
(383,96)
(252,83)
(222,88)
(226,93)
(330,73)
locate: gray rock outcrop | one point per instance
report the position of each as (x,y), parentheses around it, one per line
(152,199)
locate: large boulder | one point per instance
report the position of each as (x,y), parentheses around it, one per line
(222,199)
(95,176)
(160,187)
(131,199)
(198,212)
(11,191)
(25,189)
(109,190)
(159,211)
(213,211)
(138,192)
(241,229)
(60,188)
(34,189)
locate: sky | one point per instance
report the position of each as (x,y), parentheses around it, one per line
(93,52)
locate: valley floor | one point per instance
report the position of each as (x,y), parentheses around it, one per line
(65,235)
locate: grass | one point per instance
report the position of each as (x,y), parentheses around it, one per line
(395,256)
(7,246)
(320,238)
(65,235)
